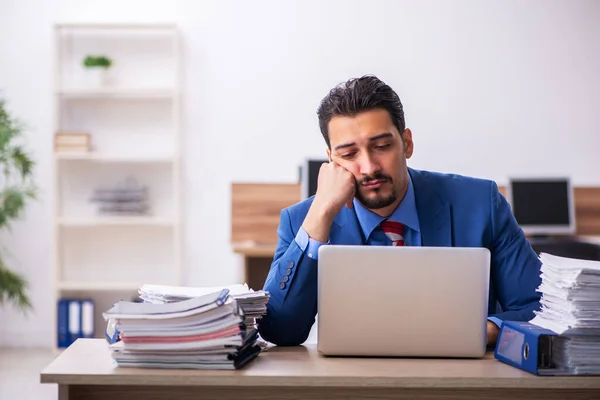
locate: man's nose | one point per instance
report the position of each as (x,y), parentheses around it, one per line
(369,166)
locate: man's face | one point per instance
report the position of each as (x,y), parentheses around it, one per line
(371,148)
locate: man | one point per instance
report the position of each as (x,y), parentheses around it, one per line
(366,195)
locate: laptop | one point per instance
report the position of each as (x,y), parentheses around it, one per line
(402,301)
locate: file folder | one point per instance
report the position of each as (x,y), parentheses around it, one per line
(112,334)
(63,323)
(526,346)
(75,319)
(87,318)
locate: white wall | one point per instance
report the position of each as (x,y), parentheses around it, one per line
(490,89)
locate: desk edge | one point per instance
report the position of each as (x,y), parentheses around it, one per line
(533,382)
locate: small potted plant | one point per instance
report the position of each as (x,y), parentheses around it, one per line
(97,69)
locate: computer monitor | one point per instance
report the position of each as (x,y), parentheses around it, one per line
(309,176)
(543,206)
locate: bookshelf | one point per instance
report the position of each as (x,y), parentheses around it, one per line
(116,93)
(117,219)
(123,158)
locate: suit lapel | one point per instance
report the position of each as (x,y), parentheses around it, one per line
(346,228)
(434,214)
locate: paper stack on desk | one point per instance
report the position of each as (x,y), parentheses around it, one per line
(253,303)
(204,332)
(570,306)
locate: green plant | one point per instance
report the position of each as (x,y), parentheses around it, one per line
(16,188)
(97,61)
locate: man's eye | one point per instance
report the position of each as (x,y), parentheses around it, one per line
(348,155)
(383,146)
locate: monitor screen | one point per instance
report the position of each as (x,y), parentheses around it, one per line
(309,176)
(543,206)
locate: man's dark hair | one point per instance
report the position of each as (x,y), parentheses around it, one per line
(358,95)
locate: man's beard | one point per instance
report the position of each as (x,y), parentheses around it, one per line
(379,201)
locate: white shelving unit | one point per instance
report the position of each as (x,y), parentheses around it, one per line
(134,123)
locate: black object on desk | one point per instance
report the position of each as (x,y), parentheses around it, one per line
(567,246)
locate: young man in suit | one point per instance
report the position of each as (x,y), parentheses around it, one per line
(366,195)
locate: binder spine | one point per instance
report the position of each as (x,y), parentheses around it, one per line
(525,346)
(74,320)
(62,323)
(87,318)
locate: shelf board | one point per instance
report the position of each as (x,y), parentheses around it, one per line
(107,157)
(95,25)
(115,221)
(95,285)
(124,93)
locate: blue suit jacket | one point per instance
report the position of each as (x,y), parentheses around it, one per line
(453,211)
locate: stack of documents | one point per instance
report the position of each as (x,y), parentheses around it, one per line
(253,303)
(204,332)
(570,306)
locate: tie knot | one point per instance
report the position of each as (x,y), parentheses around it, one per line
(394,231)
(392,225)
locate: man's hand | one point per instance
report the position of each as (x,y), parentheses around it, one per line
(335,188)
(492,333)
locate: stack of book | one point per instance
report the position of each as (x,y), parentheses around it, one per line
(253,303)
(72,142)
(124,198)
(205,332)
(570,307)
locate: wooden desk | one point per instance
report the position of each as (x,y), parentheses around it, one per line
(257,259)
(85,371)
(255,212)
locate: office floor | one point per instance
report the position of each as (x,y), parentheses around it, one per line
(20,374)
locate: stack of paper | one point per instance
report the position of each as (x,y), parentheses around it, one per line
(125,197)
(253,303)
(204,332)
(570,306)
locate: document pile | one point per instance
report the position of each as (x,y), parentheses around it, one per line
(253,303)
(204,332)
(127,197)
(571,307)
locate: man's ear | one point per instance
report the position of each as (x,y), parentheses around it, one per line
(328,154)
(409,145)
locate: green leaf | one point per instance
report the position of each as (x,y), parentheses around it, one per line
(22,162)
(13,288)
(12,201)
(8,131)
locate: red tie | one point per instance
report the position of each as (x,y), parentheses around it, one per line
(394,231)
